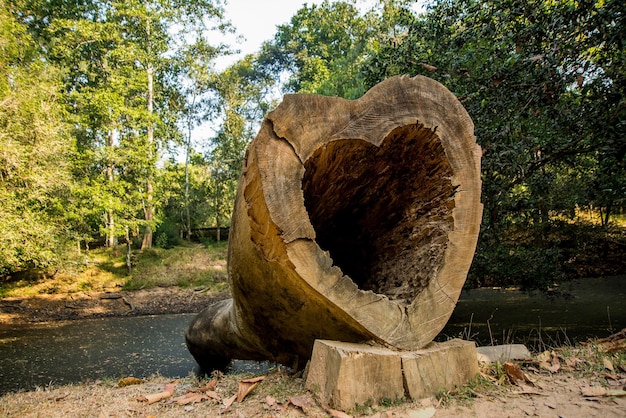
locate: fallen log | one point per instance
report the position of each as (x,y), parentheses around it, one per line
(354,221)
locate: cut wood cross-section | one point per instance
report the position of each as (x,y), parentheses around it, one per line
(355,220)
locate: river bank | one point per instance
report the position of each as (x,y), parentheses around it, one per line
(112,303)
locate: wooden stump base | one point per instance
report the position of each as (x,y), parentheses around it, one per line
(342,375)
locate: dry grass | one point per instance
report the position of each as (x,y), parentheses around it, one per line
(187,266)
(549,391)
(106,399)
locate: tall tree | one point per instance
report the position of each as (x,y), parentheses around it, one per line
(319,50)
(121,82)
(196,79)
(542,80)
(544,83)
(148,29)
(241,102)
(35,179)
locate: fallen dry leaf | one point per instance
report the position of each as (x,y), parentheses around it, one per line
(515,374)
(270,400)
(428,67)
(211,385)
(615,346)
(228,402)
(532,369)
(616,392)
(597,391)
(553,368)
(609,376)
(155,397)
(190,398)
(544,357)
(549,360)
(246,386)
(612,343)
(573,362)
(304,402)
(213,395)
(127,381)
(608,364)
(555,358)
(195,395)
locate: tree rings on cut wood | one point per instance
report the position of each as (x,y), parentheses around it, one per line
(355,220)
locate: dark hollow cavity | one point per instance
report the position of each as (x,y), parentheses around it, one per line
(383,213)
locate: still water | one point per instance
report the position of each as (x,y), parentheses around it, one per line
(581,309)
(37,355)
(73,351)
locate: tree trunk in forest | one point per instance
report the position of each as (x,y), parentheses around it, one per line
(129,265)
(188,149)
(149,206)
(218,216)
(354,221)
(111,237)
(149,217)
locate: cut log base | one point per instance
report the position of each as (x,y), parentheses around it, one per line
(342,375)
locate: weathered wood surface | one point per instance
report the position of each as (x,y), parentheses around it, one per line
(354,221)
(342,375)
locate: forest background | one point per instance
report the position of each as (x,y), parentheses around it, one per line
(100,104)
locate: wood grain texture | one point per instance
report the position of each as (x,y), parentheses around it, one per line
(354,221)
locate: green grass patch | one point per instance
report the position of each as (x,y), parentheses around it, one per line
(184,266)
(189,265)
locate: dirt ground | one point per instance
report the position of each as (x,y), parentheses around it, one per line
(560,394)
(584,381)
(83,305)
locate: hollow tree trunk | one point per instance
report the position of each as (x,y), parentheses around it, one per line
(354,221)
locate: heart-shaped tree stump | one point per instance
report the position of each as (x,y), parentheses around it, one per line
(354,221)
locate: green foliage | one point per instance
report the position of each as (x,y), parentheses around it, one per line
(241,102)
(194,200)
(187,265)
(506,264)
(320,50)
(527,74)
(34,173)
(94,94)
(90,100)
(167,235)
(544,83)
